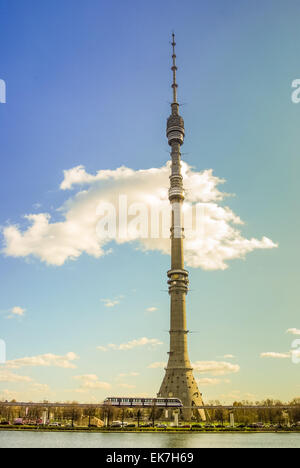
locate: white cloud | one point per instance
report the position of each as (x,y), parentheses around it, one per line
(31,388)
(215,368)
(276,355)
(157,365)
(34,391)
(129,374)
(208,382)
(229,356)
(110,303)
(16,312)
(151,342)
(45,360)
(104,349)
(152,309)
(91,382)
(55,242)
(78,176)
(10,377)
(292,354)
(293,331)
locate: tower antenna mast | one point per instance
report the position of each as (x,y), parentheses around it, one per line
(174,69)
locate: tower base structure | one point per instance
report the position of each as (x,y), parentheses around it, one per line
(180,383)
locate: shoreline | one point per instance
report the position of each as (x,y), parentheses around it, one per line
(151,431)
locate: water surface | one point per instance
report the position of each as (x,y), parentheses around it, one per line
(156,441)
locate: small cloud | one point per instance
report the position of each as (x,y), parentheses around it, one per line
(228,356)
(273,355)
(208,382)
(293,331)
(215,368)
(151,342)
(16,312)
(91,382)
(211,382)
(129,374)
(109,303)
(152,309)
(157,365)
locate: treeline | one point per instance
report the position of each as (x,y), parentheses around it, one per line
(271,415)
(76,415)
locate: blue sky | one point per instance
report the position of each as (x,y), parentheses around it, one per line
(88,83)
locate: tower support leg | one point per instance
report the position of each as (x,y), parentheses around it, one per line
(45,415)
(176,418)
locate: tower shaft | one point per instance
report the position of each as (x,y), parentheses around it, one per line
(179,380)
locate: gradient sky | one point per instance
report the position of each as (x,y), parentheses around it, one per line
(88,83)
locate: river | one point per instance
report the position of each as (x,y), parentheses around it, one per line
(22,439)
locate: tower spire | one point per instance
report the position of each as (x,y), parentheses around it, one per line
(174,69)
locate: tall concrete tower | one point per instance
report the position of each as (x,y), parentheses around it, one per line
(179,380)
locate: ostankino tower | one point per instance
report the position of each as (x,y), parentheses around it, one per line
(179,380)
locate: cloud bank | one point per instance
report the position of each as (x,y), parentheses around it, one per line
(45,360)
(55,242)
